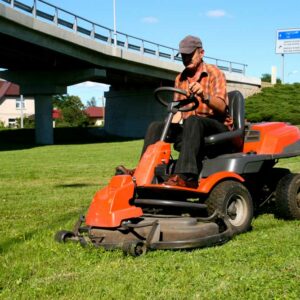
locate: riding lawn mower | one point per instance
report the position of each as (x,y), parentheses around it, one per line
(139,213)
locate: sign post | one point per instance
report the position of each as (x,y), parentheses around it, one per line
(282,69)
(287,42)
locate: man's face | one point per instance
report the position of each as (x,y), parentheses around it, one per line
(192,61)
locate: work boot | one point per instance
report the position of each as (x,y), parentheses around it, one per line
(121,170)
(177,180)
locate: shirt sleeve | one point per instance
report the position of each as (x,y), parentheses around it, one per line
(178,85)
(218,85)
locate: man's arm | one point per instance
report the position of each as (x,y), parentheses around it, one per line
(216,99)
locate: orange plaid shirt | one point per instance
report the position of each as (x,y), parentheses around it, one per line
(213,84)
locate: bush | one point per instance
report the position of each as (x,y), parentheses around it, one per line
(267,78)
(28,122)
(278,103)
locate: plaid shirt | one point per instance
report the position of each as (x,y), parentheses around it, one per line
(213,84)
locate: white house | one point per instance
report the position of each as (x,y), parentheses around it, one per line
(10,104)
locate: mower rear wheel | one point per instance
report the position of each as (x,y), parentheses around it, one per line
(62,236)
(135,249)
(233,200)
(287,197)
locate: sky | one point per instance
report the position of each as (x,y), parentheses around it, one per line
(234,30)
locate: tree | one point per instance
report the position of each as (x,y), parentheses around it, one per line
(267,78)
(71,108)
(28,122)
(92,102)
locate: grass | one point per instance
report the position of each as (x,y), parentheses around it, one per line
(45,189)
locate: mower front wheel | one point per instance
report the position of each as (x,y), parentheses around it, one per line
(135,249)
(287,197)
(233,200)
(63,236)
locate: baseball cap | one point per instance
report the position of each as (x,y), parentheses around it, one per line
(189,44)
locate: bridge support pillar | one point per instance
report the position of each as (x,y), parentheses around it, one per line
(42,85)
(43,110)
(43,120)
(129,111)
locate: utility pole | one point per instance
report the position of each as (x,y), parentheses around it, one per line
(115,23)
(103,107)
(22,114)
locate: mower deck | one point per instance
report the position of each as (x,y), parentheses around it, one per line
(152,232)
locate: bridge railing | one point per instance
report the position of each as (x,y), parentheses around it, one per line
(48,12)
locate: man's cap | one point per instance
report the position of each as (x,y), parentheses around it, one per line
(189,44)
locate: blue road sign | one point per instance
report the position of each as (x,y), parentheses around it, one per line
(288,41)
(288,35)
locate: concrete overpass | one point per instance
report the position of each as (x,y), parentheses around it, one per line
(44,58)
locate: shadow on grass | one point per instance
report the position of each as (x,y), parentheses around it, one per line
(75,185)
(20,139)
(25,236)
(15,146)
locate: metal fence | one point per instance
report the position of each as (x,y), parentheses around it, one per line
(45,11)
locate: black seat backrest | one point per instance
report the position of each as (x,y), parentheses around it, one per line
(237,109)
(235,138)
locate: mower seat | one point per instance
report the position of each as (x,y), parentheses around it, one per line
(234,139)
(230,141)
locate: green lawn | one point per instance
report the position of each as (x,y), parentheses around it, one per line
(44,189)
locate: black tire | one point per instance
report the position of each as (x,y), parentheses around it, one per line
(135,249)
(287,197)
(233,200)
(263,189)
(273,176)
(62,236)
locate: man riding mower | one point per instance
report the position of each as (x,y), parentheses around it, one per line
(140,212)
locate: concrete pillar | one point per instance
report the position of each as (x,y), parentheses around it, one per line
(42,85)
(129,112)
(43,120)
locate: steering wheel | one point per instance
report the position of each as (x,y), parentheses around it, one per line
(180,105)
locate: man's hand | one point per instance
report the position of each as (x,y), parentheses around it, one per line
(195,88)
(177,117)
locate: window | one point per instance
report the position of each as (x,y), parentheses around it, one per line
(12,123)
(18,103)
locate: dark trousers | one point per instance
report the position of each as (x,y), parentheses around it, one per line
(190,136)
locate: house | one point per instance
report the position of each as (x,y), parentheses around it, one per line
(96,115)
(11,109)
(10,104)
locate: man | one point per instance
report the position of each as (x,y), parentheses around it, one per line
(208,84)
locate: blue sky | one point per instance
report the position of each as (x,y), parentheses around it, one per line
(235,30)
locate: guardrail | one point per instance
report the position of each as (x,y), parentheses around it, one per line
(48,12)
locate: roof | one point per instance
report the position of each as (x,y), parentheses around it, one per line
(56,113)
(95,111)
(8,89)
